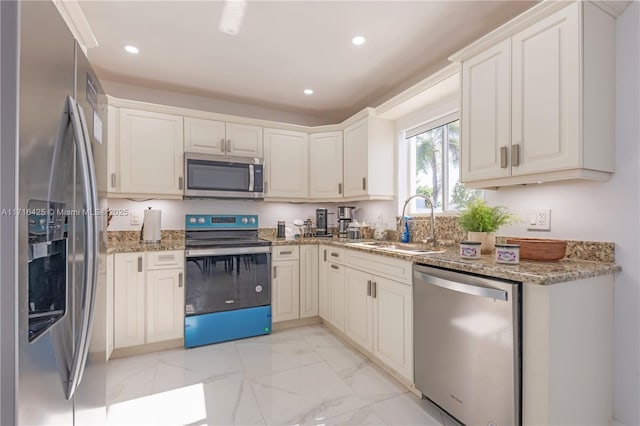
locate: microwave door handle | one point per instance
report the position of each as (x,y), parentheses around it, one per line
(87,174)
(251,177)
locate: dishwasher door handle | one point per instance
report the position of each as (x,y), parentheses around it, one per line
(474,290)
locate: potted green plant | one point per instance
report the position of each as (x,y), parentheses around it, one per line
(481,221)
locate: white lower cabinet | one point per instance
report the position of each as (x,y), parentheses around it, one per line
(128,300)
(393,325)
(165,305)
(308,281)
(285,290)
(336,287)
(148,297)
(359,308)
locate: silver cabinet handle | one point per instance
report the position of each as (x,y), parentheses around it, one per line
(180,279)
(228,145)
(325,255)
(139,263)
(113,180)
(368,287)
(374,289)
(334,254)
(339,188)
(266,185)
(503,157)
(180,182)
(515,155)
(335,266)
(166,257)
(222,145)
(364,183)
(275,274)
(286,252)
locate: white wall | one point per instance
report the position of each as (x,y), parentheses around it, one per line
(173,211)
(605,212)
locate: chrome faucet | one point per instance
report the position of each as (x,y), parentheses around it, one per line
(432,239)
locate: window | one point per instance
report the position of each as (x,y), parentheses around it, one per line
(434,166)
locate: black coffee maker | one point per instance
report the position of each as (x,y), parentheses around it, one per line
(322,223)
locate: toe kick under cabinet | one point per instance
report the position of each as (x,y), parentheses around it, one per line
(148,297)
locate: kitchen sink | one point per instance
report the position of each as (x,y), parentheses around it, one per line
(402,248)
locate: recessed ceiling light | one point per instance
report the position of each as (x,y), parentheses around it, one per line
(358,40)
(131,49)
(308,91)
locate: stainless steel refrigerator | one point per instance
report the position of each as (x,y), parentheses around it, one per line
(59,316)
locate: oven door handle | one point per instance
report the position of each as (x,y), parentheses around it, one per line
(226,251)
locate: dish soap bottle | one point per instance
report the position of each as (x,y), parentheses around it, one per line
(404,237)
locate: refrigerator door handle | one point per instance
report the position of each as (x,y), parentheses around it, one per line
(83,145)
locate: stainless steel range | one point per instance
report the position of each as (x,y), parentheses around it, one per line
(228,279)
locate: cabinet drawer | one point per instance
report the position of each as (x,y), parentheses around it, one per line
(285,253)
(333,254)
(395,269)
(165,259)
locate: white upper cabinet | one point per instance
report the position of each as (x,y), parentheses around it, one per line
(220,138)
(325,161)
(150,154)
(486,113)
(538,105)
(369,160)
(286,164)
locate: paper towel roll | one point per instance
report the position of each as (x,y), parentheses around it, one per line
(151,226)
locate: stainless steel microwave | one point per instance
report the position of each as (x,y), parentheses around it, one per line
(217,176)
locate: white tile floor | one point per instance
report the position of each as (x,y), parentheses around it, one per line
(301,376)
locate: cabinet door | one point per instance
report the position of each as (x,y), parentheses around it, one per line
(356,159)
(129,302)
(244,140)
(205,136)
(486,114)
(325,171)
(308,281)
(285,290)
(286,162)
(393,325)
(337,294)
(165,305)
(151,149)
(359,324)
(324,287)
(546,94)
(113,169)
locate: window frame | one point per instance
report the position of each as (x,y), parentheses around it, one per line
(407,160)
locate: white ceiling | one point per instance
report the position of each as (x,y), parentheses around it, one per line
(285,46)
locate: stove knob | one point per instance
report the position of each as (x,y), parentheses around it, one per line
(252,220)
(201,220)
(192,220)
(244,220)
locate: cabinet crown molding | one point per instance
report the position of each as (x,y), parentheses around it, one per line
(525,20)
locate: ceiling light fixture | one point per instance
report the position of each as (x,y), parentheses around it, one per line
(232,16)
(308,91)
(358,40)
(131,49)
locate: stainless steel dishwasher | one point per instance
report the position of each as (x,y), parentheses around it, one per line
(466,336)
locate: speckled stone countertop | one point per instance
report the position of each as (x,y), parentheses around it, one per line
(129,241)
(543,273)
(572,267)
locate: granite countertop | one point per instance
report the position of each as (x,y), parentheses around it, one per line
(532,272)
(544,273)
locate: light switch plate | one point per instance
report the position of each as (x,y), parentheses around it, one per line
(539,220)
(135,218)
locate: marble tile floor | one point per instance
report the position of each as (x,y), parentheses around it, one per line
(300,376)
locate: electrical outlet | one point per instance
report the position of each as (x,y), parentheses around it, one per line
(539,220)
(135,218)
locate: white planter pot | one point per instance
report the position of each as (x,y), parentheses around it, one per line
(487,240)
